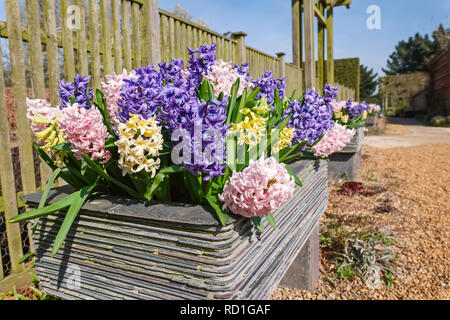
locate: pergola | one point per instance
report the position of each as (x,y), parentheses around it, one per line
(303,13)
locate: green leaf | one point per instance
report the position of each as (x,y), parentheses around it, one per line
(44,156)
(257,222)
(195,185)
(292,174)
(215,204)
(26,256)
(78,201)
(271,221)
(58,205)
(253,94)
(106,176)
(67,146)
(239,116)
(292,96)
(232,104)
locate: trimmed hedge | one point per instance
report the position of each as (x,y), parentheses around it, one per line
(346,73)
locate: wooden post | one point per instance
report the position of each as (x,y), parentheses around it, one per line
(67,38)
(330,53)
(115,12)
(151,33)
(297,33)
(82,41)
(282,69)
(320,48)
(310,75)
(241,49)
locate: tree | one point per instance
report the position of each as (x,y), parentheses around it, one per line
(368,82)
(413,55)
(183,13)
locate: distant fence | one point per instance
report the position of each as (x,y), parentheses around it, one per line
(44,46)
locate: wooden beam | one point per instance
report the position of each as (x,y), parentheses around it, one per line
(16,279)
(310,76)
(320,47)
(296,33)
(318,12)
(337,3)
(330,50)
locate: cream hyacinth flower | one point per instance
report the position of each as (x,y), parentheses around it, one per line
(140,141)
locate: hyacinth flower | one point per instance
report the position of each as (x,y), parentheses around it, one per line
(140,141)
(333,141)
(77,90)
(267,84)
(223,76)
(258,190)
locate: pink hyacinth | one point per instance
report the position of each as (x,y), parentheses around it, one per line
(259,189)
(85,131)
(338,105)
(43,108)
(333,141)
(223,76)
(112,89)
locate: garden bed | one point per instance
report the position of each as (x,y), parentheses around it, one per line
(408,203)
(126,249)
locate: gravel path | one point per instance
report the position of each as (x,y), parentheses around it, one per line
(419,134)
(411,203)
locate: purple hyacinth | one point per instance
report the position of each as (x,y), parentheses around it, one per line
(76,89)
(141,95)
(201,60)
(311,117)
(268,83)
(205,129)
(356,109)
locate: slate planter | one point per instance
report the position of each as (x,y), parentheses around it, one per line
(348,160)
(371,122)
(120,248)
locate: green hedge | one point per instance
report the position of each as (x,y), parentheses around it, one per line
(347,73)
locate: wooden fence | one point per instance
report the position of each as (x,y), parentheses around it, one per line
(109,36)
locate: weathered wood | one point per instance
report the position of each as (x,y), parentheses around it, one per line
(318,12)
(115,10)
(241,49)
(94,38)
(320,46)
(137,44)
(17,279)
(296,35)
(151,32)
(17,57)
(179,250)
(310,75)
(330,50)
(127,53)
(106,36)
(82,41)
(282,67)
(177,53)
(171,39)
(7,174)
(67,39)
(183,43)
(52,50)
(37,67)
(165,45)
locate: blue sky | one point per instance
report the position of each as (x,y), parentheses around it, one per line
(268,24)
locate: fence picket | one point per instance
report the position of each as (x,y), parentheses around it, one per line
(67,38)
(52,50)
(137,42)
(7,174)
(19,84)
(126,12)
(106,36)
(82,41)
(115,9)
(37,66)
(94,39)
